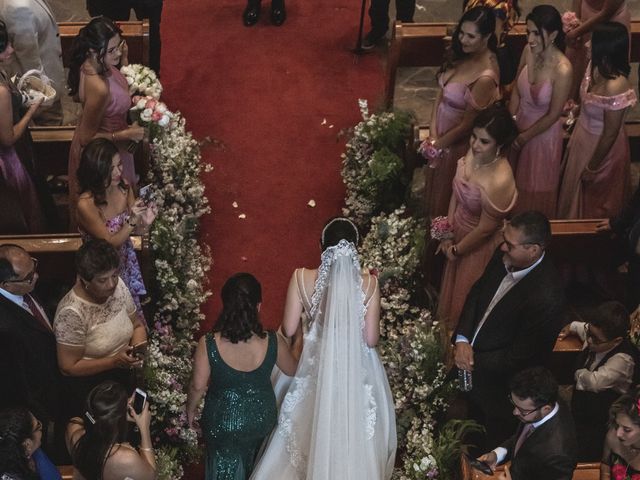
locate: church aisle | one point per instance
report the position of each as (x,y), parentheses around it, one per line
(264,92)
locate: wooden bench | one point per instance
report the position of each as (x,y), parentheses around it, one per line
(59,243)
(66,472)
(583,471)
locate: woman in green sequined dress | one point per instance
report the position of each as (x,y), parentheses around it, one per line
(232,365)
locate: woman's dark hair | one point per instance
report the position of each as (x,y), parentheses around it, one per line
(610,50)
(4,36)
(485,21)
(94,172)
(16,426)
(336,229)
(105,423)
(547,18)
(94,36)
(239,319)
(94,257)
(627,405)
(492,4)
(498,123)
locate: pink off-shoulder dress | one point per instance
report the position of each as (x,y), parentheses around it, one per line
(460,275)
(456,97)
(538,163)
(602,196)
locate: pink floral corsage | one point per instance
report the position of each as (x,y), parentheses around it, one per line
(432,153)
(441,229)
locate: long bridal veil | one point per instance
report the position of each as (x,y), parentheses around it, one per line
(337,419)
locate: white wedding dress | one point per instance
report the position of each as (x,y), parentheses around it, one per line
(337,420)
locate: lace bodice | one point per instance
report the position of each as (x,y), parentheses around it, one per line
(103,329)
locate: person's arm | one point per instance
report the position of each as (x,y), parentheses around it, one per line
(560,93)
(90,220)
(72,363)
(199,379)
(514,102)
(22,30)
(483,93)
(608,10)
(10,133)
(372,318)
(292,308)
(129,463)
(139,334)
(73,432)
(605,468)
(614,372)
(285,359)
(433,126)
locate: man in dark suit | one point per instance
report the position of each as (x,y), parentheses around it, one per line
(510,321)
(29,372)
(544,446)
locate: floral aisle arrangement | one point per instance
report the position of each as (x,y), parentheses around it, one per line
(181,263)
(411,345)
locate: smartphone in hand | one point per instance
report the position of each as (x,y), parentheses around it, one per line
(479,465)
(139,400)
(145,194)
(139,350)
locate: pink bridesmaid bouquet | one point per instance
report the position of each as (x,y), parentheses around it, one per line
(570,21)
(431,153)
(441,229)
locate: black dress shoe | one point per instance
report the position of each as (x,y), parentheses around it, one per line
(278,12)
(251,14)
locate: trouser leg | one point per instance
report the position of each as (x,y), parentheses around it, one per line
(151,9)
(379,15)
(405,10)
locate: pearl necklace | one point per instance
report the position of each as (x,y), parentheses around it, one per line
(478,166)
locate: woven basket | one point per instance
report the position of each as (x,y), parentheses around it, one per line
(36,85)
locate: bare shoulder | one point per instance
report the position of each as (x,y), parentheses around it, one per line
(96,85)
(122,459)
(616,86)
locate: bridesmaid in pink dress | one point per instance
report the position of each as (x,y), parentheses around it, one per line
(543,88)
(468,84)
(484,193)
(596,178)
(96,81)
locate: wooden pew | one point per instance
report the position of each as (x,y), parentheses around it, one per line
(583,471)
(66,472)
(59,243)
(423,44)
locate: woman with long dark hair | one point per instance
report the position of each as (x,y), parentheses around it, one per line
(596,177)
(544,83)
(108,209)
(94,80)
(469,82)
(232,365)
(98,441)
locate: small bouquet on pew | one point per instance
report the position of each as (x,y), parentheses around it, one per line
(142,81)
(441,229)
(152,113)
(570,21)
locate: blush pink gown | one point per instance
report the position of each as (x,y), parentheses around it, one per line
(456,97)
(537,165)
(604,195)
(460,275)
(113,120)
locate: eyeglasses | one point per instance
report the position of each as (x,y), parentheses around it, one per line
(28,278)
(594,340)
(524,413)
(510,246)
(38,427)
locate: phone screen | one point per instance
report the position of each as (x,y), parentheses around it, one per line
(139,400)
(145,193)
(479,465)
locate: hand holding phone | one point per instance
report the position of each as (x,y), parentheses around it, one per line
(139,400)
(145,194)
(139,350)
(484,467)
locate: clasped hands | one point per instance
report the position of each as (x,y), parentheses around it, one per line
(446,247)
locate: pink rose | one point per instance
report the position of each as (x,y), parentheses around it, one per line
(570,21)
(151,104)
(156,116)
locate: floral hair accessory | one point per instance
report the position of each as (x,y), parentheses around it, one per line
(90,418)
(441,229)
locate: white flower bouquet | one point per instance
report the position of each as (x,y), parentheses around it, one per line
(147,111)
(142,80)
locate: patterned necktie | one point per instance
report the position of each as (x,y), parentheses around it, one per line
(35,311)
(524,434)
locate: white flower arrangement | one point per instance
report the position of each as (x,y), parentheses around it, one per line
(181,265)
(142,80)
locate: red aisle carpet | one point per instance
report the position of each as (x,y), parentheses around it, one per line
(264,92)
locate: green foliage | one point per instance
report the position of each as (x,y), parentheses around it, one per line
(448,445)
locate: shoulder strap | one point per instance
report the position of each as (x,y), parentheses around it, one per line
(375,286)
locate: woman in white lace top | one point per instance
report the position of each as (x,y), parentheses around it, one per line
(96,325)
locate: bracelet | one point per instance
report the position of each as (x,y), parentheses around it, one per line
(454,250)
(146,449)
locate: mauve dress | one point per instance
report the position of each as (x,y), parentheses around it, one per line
(460,275)
(537,165)
(456,97)
(605,194)
(113,120)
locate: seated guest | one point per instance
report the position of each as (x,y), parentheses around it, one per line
(484,192)
(36,40)
(98,440)
(510,321)
(620,458)
(233,365)
(96,325)
(544,446)
(108,209)
(21,211)
(21,457)
(28,363)
(596,177)
(606,369)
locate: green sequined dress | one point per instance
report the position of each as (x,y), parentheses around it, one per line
(239,413)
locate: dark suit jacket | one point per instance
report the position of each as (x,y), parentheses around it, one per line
(29,374)
(520,331)
(549,453)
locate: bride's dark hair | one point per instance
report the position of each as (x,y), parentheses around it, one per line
(336,229)
(239,319)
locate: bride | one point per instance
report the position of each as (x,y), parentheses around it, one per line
(337,418)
